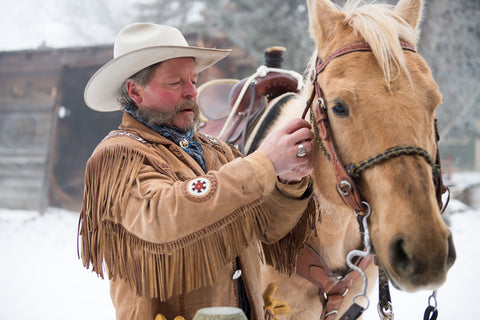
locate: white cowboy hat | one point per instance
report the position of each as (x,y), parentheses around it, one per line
(136,47)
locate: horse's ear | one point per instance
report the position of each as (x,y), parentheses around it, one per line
(323,16)
(410,11)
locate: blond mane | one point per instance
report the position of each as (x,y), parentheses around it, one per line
(381,27)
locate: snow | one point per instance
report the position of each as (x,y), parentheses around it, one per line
(40,274)
(458,296)
(42,278)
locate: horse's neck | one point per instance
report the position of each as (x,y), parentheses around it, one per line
(338,231)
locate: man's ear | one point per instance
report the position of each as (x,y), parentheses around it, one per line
(134,91)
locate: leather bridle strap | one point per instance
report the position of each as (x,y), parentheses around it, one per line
(346,187)
(440,187)
(332,287)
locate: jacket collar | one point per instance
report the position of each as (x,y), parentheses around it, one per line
(130,124)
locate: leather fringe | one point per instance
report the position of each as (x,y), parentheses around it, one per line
(155,270)
(282,255)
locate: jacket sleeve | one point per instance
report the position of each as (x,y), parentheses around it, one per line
(285,203)
(165,236)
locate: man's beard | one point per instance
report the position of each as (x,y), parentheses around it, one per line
(158,117)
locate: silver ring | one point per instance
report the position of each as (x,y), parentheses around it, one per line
(302,152)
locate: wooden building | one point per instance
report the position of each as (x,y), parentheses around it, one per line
(46,131)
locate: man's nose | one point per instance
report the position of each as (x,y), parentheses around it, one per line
(190,91)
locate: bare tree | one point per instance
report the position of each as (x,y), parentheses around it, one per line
(450,42)
(250,24)
(94,21)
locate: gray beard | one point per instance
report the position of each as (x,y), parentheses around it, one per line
(158,117)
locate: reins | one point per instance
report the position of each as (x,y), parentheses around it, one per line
(354,170)
(349,192)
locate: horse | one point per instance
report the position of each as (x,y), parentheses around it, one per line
(371,101)
(378,95)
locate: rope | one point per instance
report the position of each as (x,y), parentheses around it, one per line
(317,135)
(355,170)
(384,306)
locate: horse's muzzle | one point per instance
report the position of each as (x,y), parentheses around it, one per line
(415,269)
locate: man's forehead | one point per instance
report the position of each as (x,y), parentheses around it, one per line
(178,65)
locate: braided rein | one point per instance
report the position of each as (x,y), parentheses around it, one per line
(354,170)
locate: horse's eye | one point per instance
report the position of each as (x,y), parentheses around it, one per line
(340,110)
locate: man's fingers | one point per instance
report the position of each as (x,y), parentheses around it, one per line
(289,147)
(301,135)
(296,124)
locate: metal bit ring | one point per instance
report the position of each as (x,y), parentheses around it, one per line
(302,152)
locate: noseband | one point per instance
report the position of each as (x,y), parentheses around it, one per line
(345,184)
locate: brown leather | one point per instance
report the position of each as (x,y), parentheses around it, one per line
(265,89)
(440,187)
(270,86)
(346,187)
(147,259)
(332,287)
(249,111)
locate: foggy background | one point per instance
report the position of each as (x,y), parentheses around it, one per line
(450,38)
(449,42)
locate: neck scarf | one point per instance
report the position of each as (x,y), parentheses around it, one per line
(176,135)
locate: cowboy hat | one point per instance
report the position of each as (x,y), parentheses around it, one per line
(136,47)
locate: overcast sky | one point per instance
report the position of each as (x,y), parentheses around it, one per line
(26,24)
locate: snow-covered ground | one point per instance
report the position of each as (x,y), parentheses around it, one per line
(41,277)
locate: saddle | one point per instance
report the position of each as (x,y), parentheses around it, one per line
(231,109)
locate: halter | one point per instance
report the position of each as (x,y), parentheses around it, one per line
(309,264)
(345,185)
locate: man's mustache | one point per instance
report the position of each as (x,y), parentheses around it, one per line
(187,105)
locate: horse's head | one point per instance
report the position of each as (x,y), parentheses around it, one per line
(377,100)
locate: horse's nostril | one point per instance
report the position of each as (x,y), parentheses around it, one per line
(401,262)
(452,255)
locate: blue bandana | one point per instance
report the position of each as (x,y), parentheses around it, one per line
(174,134)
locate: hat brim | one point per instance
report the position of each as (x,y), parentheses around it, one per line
(104,87)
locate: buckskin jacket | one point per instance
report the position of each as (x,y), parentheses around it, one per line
(168,234)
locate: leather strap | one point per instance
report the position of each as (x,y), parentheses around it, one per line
(345,185)
(347,189)
(440,187)
(332,287)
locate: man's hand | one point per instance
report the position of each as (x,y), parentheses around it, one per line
(282,145)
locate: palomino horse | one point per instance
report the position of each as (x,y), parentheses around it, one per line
(375,93)
(370,97)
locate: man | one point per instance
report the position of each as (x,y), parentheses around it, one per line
(176,217)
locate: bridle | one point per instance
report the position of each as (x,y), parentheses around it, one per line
(309,263)
(345,184)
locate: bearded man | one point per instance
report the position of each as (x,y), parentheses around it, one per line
(174,217)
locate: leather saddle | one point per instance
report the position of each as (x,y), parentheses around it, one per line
(230,109)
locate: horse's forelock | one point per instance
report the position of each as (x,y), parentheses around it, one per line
(381,28)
